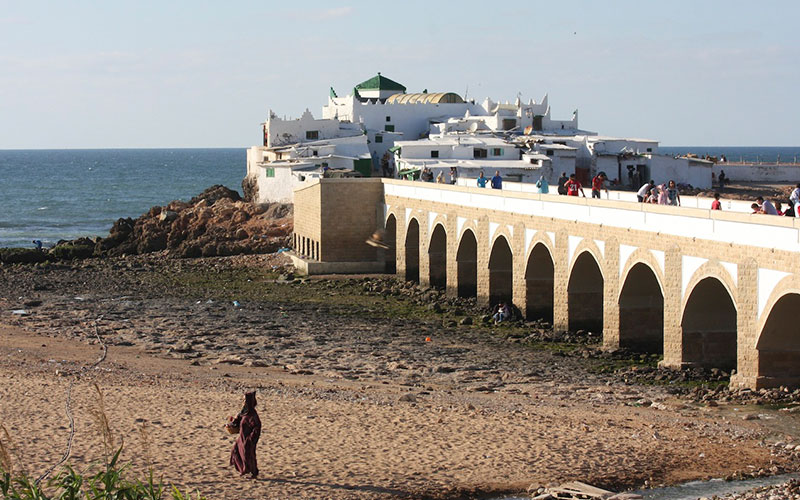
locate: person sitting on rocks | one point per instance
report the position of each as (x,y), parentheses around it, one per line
(501,313)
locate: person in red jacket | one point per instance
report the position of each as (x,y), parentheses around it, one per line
(573,187)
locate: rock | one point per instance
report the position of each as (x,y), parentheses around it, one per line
(22,255)
(408,398)
(753,416)
(167,215)
(625,496)
(229,360)
(465,321)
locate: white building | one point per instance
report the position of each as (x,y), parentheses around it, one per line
(441,130)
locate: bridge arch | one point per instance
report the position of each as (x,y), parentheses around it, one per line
(641,305)
(467,264)
(390,239)
(412,250)
(501,276)
(778,342)
(539,280)
(585,291)
(437,257)
(709,319)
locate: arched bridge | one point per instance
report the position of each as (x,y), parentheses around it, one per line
(714,289)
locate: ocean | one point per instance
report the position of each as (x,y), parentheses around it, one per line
(51,195)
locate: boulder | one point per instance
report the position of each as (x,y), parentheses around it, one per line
(22,255)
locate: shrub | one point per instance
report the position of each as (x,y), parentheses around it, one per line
(107,483)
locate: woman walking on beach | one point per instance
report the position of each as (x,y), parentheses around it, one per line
(243,455)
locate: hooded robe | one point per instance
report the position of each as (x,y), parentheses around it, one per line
(243,455)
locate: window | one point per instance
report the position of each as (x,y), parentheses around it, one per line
(479,153)
(312,135)
(497,152)
(509,123)
(434,153)
(314,153)
(389,128)
(378,138)
(388,118)
(549,152)
(649,150)
(270,172)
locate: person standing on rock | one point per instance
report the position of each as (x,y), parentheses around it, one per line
(243,455)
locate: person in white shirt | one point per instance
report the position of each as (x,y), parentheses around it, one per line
(795,199)
(641,195)
(766,206)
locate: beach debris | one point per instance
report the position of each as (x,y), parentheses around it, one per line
(577,490)
(236,303)
(20,312)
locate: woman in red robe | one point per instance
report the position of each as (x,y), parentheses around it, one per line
(243,455)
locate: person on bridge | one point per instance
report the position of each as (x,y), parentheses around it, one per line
(644,191)
(543,185)
(482,180)
(716,204)
(562,181)
(598,184)
(573,187)
(673,195)
(497,181)
(794,198)
(766,206)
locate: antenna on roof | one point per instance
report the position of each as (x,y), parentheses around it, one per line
(466,91)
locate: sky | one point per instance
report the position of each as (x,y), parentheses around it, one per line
(151,74)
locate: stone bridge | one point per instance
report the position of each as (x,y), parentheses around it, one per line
(714,289)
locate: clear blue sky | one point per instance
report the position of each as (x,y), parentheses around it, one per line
(204,74)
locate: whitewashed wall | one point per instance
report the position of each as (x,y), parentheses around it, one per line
(759,173)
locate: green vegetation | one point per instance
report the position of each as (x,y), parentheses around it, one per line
(106,483)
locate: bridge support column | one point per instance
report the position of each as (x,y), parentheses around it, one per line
(484,250)
(673,297)
(424,256)
(561,282)
(519,286)
(611,291)
(400,243)
(746,324)
(452,251)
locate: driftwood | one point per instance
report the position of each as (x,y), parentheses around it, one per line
(577,490)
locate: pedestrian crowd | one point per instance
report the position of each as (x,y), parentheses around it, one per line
(666,193)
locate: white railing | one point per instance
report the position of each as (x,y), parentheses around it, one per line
(765,231)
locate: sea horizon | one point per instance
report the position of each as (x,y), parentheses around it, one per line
(63,194)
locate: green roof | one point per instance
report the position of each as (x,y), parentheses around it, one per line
(380,83)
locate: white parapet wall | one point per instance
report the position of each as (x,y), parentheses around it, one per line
(780,233)
(741,206)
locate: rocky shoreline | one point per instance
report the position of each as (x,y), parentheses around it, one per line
(217,222)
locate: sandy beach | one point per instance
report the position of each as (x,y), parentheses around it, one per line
(355,403)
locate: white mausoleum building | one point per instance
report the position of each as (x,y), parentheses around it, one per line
(441,130)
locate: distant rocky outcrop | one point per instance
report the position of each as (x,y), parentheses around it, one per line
(217,222)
